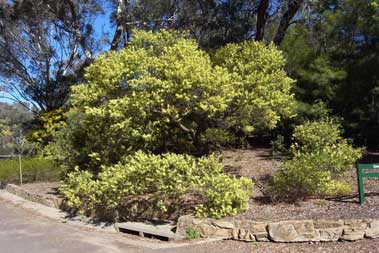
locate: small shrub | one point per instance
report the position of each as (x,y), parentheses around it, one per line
(321,159)
(279,146)
(192,234)
(80,191)
(163,181)
(313,136)
(224,196)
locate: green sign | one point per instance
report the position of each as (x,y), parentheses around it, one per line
(363,170)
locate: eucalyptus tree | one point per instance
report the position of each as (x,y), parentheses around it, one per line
(44,47)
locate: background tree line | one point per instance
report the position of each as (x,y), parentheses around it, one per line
(331,47)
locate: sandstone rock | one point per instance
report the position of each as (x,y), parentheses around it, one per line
(249,237)
(183,223)
(261,237)
(320,224)
(352,234)
(293,231)
(285,231)
(354,230)
(330,234)
(258,227)
(223,233)
(282,232)
(223,224)
(206,230)
(242,234)
(235,234)
(373,229)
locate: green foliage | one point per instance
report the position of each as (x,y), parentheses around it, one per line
(13,121)
(34,169)
(320,158)
(14,114)
(305,112)
(192,234)
(314,136)
(318,78)
(311,112)
(5,135)
(165,181)
(48,124)
(263,89)
(163,94)
(80,190)
(278,146)
(225,196)
(339,68)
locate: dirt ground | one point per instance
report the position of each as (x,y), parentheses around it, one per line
(44,188)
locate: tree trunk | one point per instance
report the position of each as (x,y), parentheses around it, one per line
(261,19)
(121,24)
(19,161)
(293,7)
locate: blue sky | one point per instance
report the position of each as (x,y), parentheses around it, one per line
(101,26)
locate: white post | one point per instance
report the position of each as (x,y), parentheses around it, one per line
(19,161)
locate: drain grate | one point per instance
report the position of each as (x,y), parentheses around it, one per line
(164,232)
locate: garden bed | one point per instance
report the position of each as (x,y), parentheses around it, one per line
(259,164)
(329,219)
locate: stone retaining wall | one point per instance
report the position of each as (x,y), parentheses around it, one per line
(44,200)
(283,231)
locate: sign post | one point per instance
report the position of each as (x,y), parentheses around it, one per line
(361,174)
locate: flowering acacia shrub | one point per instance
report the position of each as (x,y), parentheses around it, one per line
(169,180)
(321,158)
(163,94)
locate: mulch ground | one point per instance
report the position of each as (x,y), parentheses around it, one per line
(258,164)
(362,246)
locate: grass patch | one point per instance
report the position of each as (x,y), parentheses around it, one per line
(34,169)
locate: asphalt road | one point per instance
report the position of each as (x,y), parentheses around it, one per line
(23,231)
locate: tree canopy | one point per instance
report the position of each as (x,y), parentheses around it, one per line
(331,46)
(163,94)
